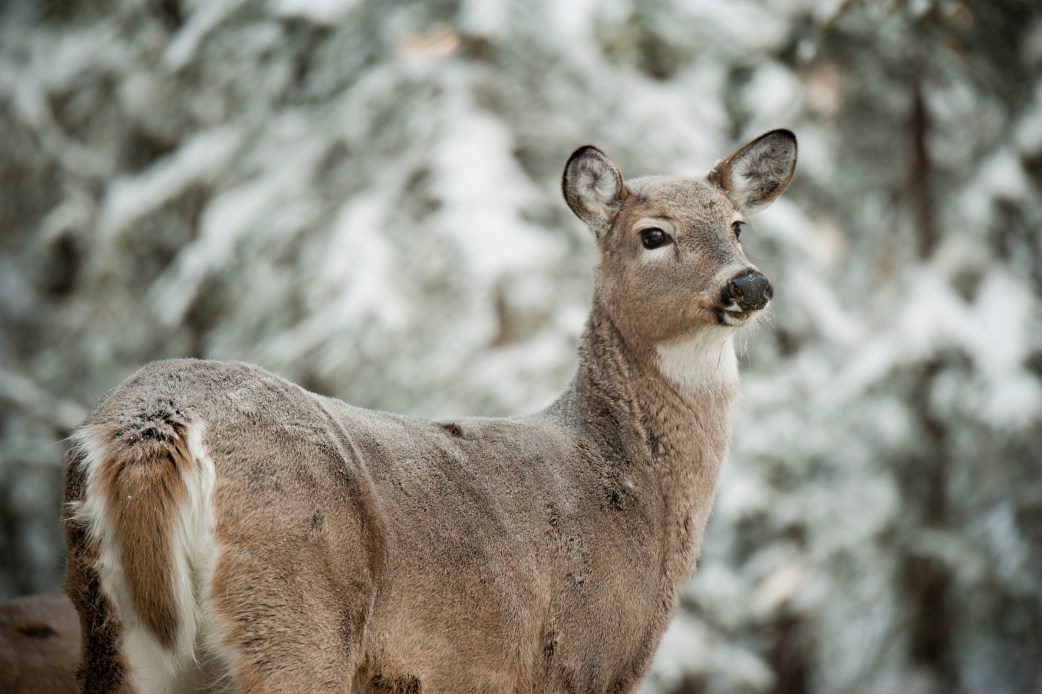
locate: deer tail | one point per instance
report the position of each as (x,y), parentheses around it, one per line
(140,476)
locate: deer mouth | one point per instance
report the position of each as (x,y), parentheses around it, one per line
(735,317)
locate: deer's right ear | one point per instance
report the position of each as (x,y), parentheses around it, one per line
(593,188)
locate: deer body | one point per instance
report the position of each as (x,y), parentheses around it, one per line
(230,530)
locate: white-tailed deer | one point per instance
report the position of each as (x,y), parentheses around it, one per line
(229,530)
(39,645)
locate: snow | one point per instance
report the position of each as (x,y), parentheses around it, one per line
(1002,176)
(486,17)
(773,95)
(207,16)
(365,198)
(995,331)
(1028,130)
(366,262)
(485,194)
(745,25)
(689,646)
(198,161)
(319,11)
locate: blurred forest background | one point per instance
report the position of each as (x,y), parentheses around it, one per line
(362,196)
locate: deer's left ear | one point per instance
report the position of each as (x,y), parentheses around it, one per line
(759,171)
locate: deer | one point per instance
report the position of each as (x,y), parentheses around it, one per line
(228,530)
(39,645)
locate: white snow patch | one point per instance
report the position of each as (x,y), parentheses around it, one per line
(248,207)
(1027,134)
(486,17)
(690,647)
(787,223)
(1002,176)
(355,287)
(1013,403)
(743,25)
(740,495)
(773,94)
(572,20)
(997,336)
(204,17)
(1006,543)
(996,330)
(823,308)
(129,198)
(360,264)
(485,195)
(318,11)
(55,65)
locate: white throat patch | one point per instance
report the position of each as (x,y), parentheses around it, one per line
(705,363)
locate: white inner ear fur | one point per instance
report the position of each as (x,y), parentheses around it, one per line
(757,173)
(598,187)
(704,363)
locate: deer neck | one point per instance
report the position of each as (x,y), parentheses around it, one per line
(665,402)
(659,419)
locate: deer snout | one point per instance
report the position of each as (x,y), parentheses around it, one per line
(749,291)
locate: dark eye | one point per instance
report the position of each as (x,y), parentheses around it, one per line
(654,237)
(736,227)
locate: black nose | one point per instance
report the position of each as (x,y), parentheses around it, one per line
(751,290)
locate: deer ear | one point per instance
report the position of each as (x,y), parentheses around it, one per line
(593,188)
(758,171)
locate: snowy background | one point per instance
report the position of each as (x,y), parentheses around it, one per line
(363,197)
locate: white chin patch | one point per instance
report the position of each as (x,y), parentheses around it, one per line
(737,318)
(704,363)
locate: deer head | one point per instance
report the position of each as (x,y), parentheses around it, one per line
(672,262)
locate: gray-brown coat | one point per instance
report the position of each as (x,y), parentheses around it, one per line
(228,529)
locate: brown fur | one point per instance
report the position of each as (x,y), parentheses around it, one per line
(103,668)
(529,554)
(39,645)
(142,484)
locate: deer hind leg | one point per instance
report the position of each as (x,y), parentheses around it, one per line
(292,596)
(102,667)
(299,567)
(287,635)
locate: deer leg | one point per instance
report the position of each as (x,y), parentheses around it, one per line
(284,634)
(102,667)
